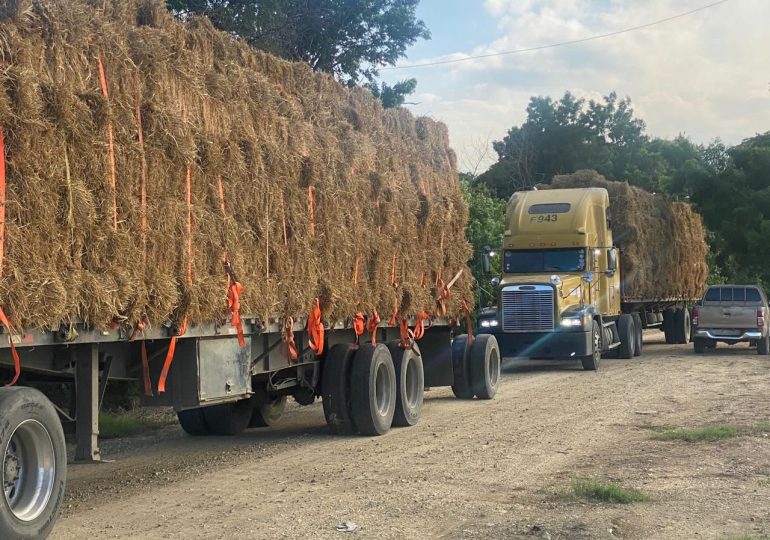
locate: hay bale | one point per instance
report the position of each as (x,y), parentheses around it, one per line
(663,243)
(383,183)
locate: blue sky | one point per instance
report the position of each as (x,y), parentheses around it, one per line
(706,75)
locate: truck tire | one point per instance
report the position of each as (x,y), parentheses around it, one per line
(591,362)
(193,422)
(410,384)
(682,326)
(669,325)
(34,464)
(373,389)
(228,418)
(335,389)
(699,346)
(267,414)
(460,369)
(639,334)
(763,346)
(484,360)
(627,333)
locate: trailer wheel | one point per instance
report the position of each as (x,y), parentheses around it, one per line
(639,334)
(460,368)
(267,414)
(763,345)
(682,326)
(410,384)
(699,346)
(627,333)
(669,325)
(335,389)
(228,418)
(193,422)
(34,465)
(591,362)
(484,359)
(373,389)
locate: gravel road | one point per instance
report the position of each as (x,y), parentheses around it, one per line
(469,469)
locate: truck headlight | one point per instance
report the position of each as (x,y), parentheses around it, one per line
(489,323)
(572,323)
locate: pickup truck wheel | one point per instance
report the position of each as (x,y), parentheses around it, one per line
(335,389)
(410,384)
(627,333)
(193,422)
(460,368)
(699,346)
(34,465)
(228,418)
(682,326)
(484,360)
(591,362)
(639,331)
(267,414)
(763,345)
(373,389)
(669,314)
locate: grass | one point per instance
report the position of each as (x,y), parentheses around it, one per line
(710,433)
(114,425)
(608,492)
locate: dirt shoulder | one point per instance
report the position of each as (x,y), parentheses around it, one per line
(470,469)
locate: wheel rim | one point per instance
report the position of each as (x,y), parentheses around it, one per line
(382,389)
(412,383)
(494,367)
(597,352)
(29,469)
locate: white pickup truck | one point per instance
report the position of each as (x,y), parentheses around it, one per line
(732,314)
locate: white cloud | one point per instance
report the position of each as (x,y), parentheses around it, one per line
(705,75)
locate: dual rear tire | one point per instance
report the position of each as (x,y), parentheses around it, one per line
(476,368)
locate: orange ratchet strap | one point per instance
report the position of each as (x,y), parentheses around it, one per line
(170,357)
(3,318)
(111,143)
(234,290)
(358,327)
(288,338)
(371,325)
(419,329)
(315,328)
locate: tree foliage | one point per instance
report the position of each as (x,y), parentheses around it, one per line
(392,96)
(348,38)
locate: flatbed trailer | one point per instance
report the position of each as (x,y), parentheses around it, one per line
(367,383)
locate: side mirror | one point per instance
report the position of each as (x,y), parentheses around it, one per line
(486,265)
(495,282)
(612,260)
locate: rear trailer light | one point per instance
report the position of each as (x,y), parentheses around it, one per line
(760,318)
(694,318)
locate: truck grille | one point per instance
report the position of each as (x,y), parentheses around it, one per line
(528,308)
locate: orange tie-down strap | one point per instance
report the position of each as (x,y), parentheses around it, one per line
(288,338)
(138,329)
(234,290)
(16,361)
(315,328)
(170,357)
(358,327)
(371,325)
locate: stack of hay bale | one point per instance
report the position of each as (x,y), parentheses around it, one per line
(142,152)
(663,243)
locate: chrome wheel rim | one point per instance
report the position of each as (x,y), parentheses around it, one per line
(412,383)
(29,469)
(382,390)
(494,367)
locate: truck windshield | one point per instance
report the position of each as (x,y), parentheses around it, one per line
(532,261)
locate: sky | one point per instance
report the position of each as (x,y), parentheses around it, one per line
(706,75)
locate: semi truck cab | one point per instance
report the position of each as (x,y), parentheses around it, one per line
(559,294)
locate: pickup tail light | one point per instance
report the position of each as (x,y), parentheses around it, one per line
(760,318)
(694,318)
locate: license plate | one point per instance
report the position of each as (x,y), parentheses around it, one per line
(729,332)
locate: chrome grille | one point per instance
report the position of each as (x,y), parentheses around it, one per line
(528,308)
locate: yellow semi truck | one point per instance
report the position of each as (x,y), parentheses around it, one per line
(560,295)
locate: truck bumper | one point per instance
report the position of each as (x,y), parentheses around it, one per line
(748,335)
(548,345)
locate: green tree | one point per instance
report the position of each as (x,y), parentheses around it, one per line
(348,38)
(392,96)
